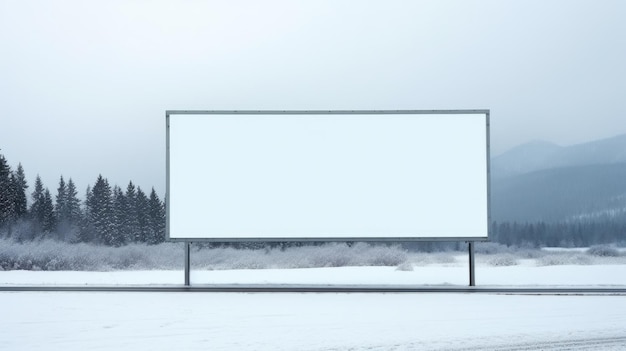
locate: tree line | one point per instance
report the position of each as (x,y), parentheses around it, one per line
(109,215)
(581,233)
(114,216)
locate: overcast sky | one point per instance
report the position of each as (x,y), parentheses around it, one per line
(84,85)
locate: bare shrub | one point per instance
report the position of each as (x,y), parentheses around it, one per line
(603,251)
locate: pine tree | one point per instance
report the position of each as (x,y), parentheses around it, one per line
(68,214)
(60,207)
(101,212)
(157,219)
(13,215)
(86,233)
(19,210)
(132,228)
(37,206)
(48,215)
(61,202)
(19,189)
(143,219)
(7,208)
(74,214)
(120,215)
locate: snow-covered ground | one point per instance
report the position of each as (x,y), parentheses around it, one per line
(566,275)
(288,321)
(326,321)
(438,270)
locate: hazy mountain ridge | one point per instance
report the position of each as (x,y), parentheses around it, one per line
(540,181)
(567,193)
(524,158)
(538,155)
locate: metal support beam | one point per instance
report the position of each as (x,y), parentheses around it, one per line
(187,263)
(472,266)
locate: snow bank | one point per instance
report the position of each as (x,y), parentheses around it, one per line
(520,275)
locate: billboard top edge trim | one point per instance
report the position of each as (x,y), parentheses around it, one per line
(323,112)
(330,239)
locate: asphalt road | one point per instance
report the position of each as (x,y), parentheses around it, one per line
(240,288)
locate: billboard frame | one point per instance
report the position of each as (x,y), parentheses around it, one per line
(486,112)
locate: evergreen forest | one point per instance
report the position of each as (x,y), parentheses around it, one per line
(108,215)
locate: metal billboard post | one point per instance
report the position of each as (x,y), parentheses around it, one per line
(472,266)
(187,262)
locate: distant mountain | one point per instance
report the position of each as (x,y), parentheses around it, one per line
(561,194)
(540,181)
(538,155)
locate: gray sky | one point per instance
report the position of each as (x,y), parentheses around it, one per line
(84,84)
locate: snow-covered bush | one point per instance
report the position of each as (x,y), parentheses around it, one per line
(331,255)
(55,255)
(405,267)
(503,260)
(558,259)
(529,253)
(327,255)
(603,251)
(51,255)
(379,255)
(490,248)
(422,259)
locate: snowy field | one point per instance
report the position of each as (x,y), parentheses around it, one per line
(320,321)
(564,275)
(262,321)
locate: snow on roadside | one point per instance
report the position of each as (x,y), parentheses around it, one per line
(442,274)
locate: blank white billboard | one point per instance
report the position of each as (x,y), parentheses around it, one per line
(334,175)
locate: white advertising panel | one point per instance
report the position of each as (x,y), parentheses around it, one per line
(334,175)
